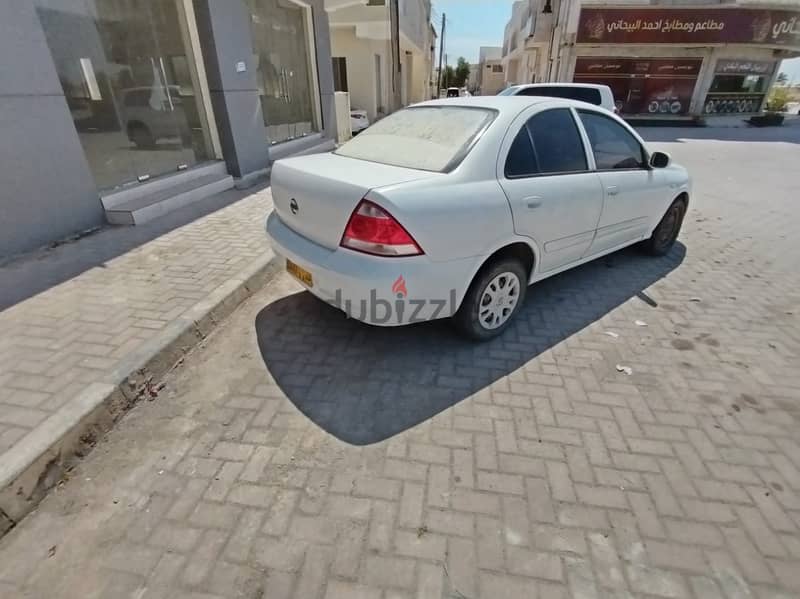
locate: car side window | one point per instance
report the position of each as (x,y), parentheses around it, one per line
(613,145)
(557,143)
(584,94)
(521,161)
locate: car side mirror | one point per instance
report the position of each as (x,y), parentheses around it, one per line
(659,160)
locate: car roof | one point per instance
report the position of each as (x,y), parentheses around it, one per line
(584,85)
(507,104)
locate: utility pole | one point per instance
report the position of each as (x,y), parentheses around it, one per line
(441,55)
(394,23)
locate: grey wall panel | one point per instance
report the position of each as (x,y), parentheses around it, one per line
(46,189)
(225,35)
(322,41)
(224,27)
(25,64)
(242,132)
(224,30)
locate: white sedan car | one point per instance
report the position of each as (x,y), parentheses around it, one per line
(451,208)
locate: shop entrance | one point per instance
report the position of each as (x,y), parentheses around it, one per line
(738,87)
(286,68)
(130,82)
(650,86)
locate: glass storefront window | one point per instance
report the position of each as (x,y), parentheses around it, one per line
(745,84)
(739,86)
(662,86)
(285,67)
(129,79)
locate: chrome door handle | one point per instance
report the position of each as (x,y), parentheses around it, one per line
(612,190)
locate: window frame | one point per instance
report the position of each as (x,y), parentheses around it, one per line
(588,155)
(645,152)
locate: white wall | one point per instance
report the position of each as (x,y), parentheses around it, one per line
(359,54)
(414,15)
(492,82)
(358,32)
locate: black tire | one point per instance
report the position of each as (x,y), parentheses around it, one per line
(141,136)
(665,234)
(468,319)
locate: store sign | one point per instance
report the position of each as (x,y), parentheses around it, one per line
(689,67)
(745,67)
(656,86)
(689,25)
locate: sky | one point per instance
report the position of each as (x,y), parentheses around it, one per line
(470,25)
(475,23)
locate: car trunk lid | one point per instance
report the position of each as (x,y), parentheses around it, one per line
(316,194)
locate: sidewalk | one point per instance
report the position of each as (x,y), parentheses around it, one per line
(87,326)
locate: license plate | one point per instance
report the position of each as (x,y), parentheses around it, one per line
(299,273)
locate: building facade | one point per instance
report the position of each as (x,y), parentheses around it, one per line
(491,71)
(120,97)
(663,60)
(381,52)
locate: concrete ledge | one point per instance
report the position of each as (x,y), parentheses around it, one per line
(39,460)
(252,178)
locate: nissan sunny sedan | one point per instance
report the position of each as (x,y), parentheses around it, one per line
(452,208)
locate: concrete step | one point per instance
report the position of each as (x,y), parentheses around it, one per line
(114,198)
(145,208)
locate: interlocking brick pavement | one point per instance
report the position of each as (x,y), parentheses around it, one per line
(301,455)
(64,335)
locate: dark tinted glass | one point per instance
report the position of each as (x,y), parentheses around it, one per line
(613,146)
(584,94)
(138,97)
(557,143)
(521,160)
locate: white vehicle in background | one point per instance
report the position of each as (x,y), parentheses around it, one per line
(592,93)
(451,208)
(358,120)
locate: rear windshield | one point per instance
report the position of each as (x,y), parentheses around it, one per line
(584,94)
(430,138)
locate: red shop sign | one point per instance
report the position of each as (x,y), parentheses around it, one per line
(602,66)
(689,25)
(672,67)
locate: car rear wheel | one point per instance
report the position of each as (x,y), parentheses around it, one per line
(492,300)
(141,137)
(665,234)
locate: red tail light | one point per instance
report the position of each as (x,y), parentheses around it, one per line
(372,230)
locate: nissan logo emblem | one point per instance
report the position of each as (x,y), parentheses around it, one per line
(293,206)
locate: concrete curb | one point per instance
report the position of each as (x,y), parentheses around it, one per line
(40,459)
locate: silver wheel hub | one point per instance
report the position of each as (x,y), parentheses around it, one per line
(498,300)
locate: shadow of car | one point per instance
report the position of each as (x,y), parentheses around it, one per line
(364,384)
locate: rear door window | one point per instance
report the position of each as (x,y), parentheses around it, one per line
(613,146)
(548,144)
(584,94)
(557,143)
(521,160)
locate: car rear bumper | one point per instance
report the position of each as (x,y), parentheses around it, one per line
(373,289)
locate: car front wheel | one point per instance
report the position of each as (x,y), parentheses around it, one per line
(492,300)
(665,234)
